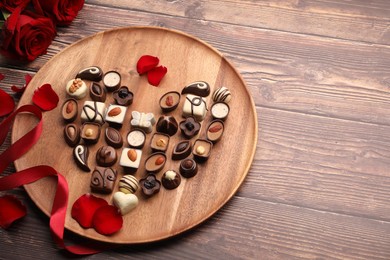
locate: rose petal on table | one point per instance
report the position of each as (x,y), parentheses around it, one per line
(146,63)
(45,97)
(27,79)
(85,207)
(7,103)
(107,220)
(156,75)
(11,209)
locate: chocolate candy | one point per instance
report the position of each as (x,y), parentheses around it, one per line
(136,138)
(167,125)
(80,155)
(103,179)
(123,96)
(112,80)
(215,130)
(69,110)
(128,184)
(106,156)
(125,202)
(76,88)
(115,115)
(93,73)
(170,180)
(220,110)
(202,149)
(222,94)
(155,162)
(189,127)
(181,150)
(93,112)
(97,93)
(90,132)
(72,135)
(113,137)
(188,168)
(150,185)
(199,88)
(195,106)
(169,101)
(130,158)
(144,121)
(159,142)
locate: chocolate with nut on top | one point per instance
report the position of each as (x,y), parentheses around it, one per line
(72,134)
(169,101)
(69,110)
(202,149)
(90,132)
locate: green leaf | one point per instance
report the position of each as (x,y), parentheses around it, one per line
(5,14)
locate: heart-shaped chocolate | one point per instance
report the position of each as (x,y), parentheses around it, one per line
(125,202)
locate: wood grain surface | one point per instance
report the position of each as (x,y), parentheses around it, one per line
(318,71)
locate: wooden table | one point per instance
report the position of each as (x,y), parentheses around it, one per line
(319,73)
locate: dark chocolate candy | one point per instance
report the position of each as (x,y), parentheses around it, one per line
(167,125)
(215,130)
(181,150)
(112,80)
(159,142)
(93,73)
(169,101)
(90,132)
(97,92)
(155,162)
(188,168)
(69,110)
(72,134)
(103,179)
(113,137)
(150,185)
(106,156)
(199,88)
(189,127)
(170,180)
(202,149)
(123,96)
(80,154)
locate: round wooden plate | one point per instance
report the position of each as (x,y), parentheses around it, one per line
(188,59)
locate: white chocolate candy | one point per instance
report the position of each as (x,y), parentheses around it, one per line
(125,202)
(128,184)
(144,121)
(76,88)
(115,115)
(220,110)
(195,106)
(136,138)
(112,80)
(126,162)
(222,94)
(93,112)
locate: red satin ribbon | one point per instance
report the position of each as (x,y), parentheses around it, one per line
(26,176)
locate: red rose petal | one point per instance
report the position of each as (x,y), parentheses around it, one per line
(155,75)
(107,220)
(1,77)
(7,104)
(146,63)
(84,209)
(45,97)
(11,209)
(27,79)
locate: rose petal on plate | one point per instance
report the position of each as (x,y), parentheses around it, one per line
(146,63)
(11,209)
(107,220)
(45,97)
(27,79)
(84,208)
(155,75)
(7,103)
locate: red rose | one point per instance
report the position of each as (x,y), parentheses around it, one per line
(62,12)
(10,5)
(26,35)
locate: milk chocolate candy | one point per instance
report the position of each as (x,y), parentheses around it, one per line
(170,180)
(72,134)
(155,162)
(112,80)
(136,138)
(123,96)
(93,73)
(198,88)
(103,179)
(128,184)
(220,110)
(80,155)
(150,185)
(169,101)
(90,132)
(159,142)
(113,137)
(76,88)
(188,168)
(97,92)
(222,94)
(195,106)
(215,130)
(106,156)
(181,150)
(189,127)
(93,112)
(115,115)
(69,110)
(167,125)
(202,149)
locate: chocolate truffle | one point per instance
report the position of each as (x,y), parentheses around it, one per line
(93,73)
(93,112)
(69,110)
(128,184)
(188,168)
(170,180)
(189,127)
(136,138)
(123,96)
(90,132)
(144,121)
(215,130)
(80,155)
(202,149)
(195,106)
(181,150)
(76,88)
(103,179)
(113,137)
(115,115)
(97,92)
(155,162)
(222,94)
(150,185)
(169,101)
(159,142)
(106,156)
(112,80)
(72,135)
(167,125)
(199,88)
(220,110)
(130,158)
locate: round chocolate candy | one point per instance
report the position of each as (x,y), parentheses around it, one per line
(188,168)
(106,156)
(123,96)
(128,184)
(170,180)
(136,138)
(112,80)
(220,110)
(76,88)
(150,185)
(167,125)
